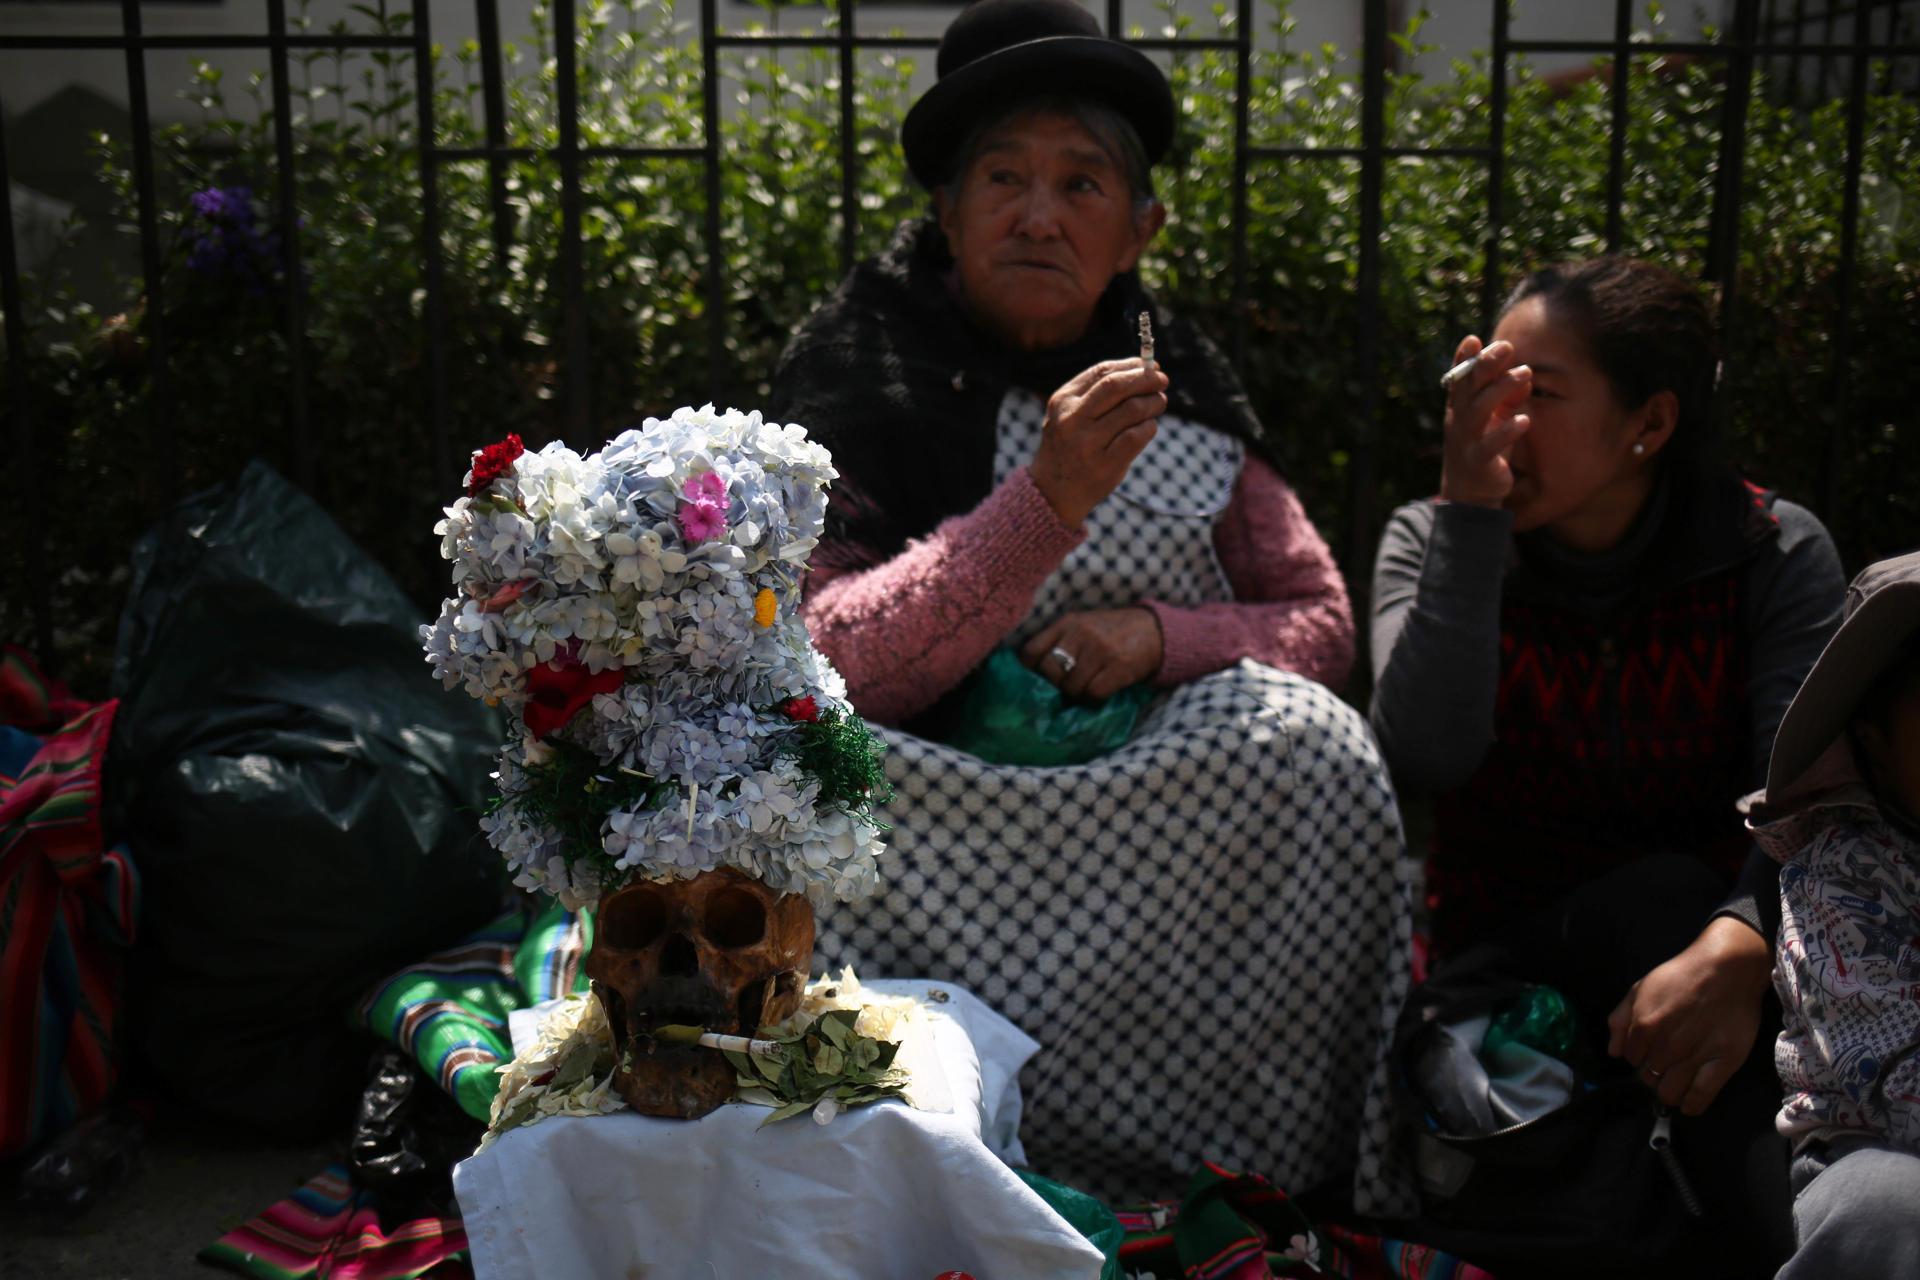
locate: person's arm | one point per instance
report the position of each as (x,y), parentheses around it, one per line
(1436,639)
(1289,607)
(1690,1023)
(904,632)
(1841,971)
(1792,610)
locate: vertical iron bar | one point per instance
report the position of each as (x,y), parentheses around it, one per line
(1115,17)
(1617,144)
(849,158)
(494,104)
(153,326)
(1826,59)
(1849,249)
(1729,179)
(25,468)
(440,455)
(1373,95)
(1242,109)
(289,219)
(1794,60)
(566,53)
(1490,285)
(716,260)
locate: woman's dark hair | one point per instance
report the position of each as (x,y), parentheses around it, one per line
(1647,328)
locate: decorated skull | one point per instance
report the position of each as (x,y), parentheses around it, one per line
(721,951)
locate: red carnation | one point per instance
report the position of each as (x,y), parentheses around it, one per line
(801,709)
(492,462)
(554,696)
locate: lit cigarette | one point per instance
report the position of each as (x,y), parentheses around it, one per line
(1146,338)
(675,1034)
(1460,370)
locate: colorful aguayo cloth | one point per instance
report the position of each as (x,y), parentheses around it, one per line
(67,908)
(1233,1226)
(330,1231)
(450,1013)
(450,1010)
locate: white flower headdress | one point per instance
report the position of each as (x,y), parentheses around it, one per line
(635,613)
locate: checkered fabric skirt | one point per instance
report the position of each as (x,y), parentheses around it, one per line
(1207,931)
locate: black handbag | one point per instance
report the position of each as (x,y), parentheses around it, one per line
(1597,1187)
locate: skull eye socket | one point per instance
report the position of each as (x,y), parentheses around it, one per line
(634,919)
(735,918)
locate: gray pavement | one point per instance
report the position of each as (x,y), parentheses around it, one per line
(189,1188)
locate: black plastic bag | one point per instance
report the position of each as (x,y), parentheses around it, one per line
(406,1139)
(301,797)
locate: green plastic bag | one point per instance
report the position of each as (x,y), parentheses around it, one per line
(1540,1018)
(1084,1214)
(1011,715)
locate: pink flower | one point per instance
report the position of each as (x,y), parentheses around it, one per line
(705,514)
(703,520)
(505,596)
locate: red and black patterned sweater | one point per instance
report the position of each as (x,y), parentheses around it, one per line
(1592,710)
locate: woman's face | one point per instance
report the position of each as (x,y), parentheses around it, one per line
(1575,471)
(1039,224)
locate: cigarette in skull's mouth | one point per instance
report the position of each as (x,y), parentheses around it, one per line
(682,1035)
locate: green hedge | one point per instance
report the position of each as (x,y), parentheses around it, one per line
(643,255)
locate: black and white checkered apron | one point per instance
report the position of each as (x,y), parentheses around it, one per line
(1206,930)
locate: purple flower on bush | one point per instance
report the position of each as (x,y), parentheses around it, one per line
(229,238)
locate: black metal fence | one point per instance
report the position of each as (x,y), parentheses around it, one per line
(1822,50)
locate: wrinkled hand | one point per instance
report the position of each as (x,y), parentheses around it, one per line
(1097,424)
(1687,1026)
(1483,421)
(1111,648)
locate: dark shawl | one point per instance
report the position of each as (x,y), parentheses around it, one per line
(892,376)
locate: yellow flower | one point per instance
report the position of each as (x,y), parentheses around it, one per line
(765,606)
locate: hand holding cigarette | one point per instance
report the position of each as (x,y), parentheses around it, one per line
(1486,389)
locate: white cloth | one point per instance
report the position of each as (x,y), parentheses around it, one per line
(883,1191)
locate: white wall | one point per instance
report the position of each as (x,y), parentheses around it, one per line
(1458,26)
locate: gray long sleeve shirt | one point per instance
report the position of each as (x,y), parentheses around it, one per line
(1438,583)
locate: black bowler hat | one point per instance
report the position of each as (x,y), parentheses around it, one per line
(998,50)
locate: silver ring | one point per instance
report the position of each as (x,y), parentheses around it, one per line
(1062,657)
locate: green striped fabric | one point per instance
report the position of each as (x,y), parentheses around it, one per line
(450,1010)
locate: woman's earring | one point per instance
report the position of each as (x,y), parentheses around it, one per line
(1639,449)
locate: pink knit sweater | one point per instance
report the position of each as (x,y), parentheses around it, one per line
(906,631)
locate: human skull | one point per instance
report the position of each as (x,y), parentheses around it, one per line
(720,951)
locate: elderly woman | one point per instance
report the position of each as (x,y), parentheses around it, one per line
(1207,928)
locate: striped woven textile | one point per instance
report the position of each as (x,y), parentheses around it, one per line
(329,1231)
(1233,1226)
(450,1010)
(67,910)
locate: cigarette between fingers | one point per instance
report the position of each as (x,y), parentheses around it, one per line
(1461,370)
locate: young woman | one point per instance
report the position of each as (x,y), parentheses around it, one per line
(1582,649)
